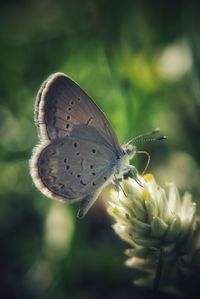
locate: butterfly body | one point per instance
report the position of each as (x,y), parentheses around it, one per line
(79,153)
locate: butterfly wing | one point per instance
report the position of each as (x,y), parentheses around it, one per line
(74,167)
(78,150)
(61,104)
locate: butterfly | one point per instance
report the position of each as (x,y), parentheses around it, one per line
(79,152)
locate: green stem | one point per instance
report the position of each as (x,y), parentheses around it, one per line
(158,272)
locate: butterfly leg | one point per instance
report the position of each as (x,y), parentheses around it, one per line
(135,175)
(118,185)
(86,203)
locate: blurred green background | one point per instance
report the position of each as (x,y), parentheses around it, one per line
(140,61)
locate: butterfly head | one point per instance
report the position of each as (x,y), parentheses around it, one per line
(129,150)
(123,164)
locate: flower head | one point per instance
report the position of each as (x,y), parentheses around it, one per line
(150,220)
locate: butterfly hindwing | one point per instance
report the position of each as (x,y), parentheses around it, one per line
(75,166)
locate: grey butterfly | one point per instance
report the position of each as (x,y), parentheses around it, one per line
(79,152)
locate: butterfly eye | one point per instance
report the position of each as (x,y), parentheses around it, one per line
(130,149)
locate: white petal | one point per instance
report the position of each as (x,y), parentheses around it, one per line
(149,242)
(146,281)
(151,209)
(174,201)
(188,208)
(123,233)
(141,252)
(139,263)
(150,185)
(140,227)
(174,229)
(132,188)
(158,227)
(135,207)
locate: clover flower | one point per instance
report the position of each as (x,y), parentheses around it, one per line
(152,221)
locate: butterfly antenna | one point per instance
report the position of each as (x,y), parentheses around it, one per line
(149,136)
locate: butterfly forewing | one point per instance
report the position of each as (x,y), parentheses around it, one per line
(62,104)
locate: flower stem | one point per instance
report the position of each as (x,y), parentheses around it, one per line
(158,271)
